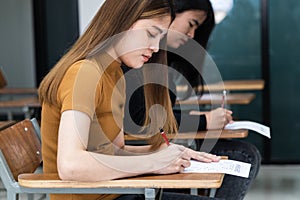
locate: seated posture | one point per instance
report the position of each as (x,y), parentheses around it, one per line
(194,19)
(83,100)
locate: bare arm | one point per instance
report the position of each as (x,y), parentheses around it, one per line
(122,149)
(74,162)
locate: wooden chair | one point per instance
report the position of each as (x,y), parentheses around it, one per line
(20,156)
(20,152)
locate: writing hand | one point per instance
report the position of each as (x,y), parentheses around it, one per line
(182,159)
(218,118)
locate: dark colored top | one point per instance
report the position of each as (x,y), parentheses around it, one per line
(135,105)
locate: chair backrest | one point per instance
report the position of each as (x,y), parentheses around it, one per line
(21,147)
(3,81)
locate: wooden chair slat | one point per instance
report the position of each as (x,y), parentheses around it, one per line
(21,148)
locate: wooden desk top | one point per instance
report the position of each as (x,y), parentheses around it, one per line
(20,103)
(187,180)
(211,134)
(230,85)
(231,98)
(236,85)
(18,91)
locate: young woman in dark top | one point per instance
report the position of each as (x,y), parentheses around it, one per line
(194,20)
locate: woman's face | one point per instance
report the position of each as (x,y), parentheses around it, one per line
(139,43)
(184,27)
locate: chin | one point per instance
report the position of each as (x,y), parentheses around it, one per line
(137,66)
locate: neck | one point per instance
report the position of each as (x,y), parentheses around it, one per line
(112,52)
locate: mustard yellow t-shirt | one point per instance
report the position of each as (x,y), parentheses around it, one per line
(97,88)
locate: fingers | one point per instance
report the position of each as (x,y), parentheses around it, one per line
(218,118)
(207,157)
(227,116)
(183,161)
(229,112)
(179,165)
(200,156)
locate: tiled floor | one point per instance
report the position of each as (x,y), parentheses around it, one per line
(279,182)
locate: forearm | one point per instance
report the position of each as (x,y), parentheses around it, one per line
(129,150)
(89,166)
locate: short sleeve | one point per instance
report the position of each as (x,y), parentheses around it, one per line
(79,88)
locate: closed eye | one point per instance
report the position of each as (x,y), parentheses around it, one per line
(155,31)
(194,23)
(150,34)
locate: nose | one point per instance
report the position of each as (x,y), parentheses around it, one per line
(154,45)
(191,33)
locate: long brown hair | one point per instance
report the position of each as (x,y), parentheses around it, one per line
(112,18)
(157,93)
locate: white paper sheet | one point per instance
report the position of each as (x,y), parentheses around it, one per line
(254,126)
(223,166)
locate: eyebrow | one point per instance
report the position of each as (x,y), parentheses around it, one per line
(196,22)
(157,28)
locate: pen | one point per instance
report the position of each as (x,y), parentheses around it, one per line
(223,98)
(164,136)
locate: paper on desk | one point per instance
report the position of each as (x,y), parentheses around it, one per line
(254,126)
(223,166)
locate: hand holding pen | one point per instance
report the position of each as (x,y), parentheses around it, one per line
(164,136)
(218,118)
(228,113)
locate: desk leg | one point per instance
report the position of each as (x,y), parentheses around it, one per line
(9,116)
(194,191)
(30,196)
(150,194)
(12,195)
(212,192)
(27,112)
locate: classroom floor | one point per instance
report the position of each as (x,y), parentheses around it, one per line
(273,183)
(276,182)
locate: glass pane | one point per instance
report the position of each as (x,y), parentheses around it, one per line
(235,46)
(285,79)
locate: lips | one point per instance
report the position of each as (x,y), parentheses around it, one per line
(146,57)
